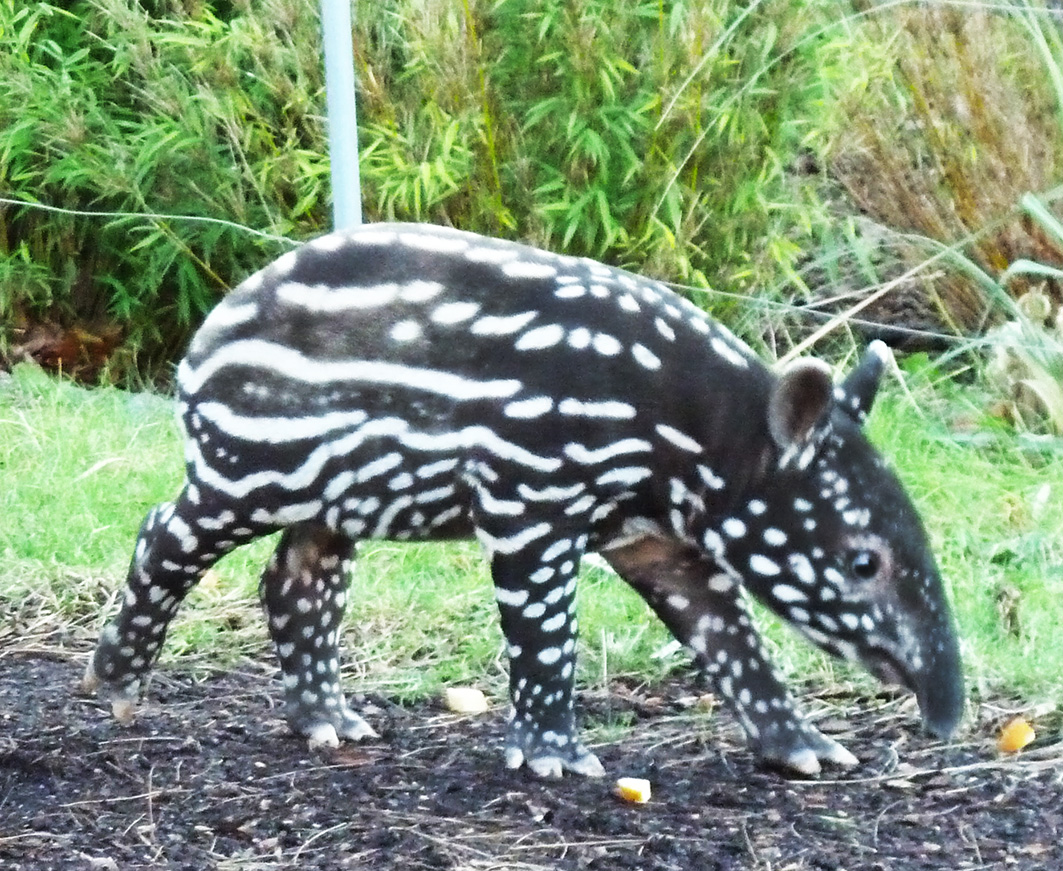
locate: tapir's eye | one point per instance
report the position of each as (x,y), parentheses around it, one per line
(864,564)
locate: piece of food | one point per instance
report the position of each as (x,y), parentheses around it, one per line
(1015,735)
(633,789)
(465,700)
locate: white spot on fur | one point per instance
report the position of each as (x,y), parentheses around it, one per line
(764,566)
(406,331)
(711,479)
(665,329)
(550,655)
(571,291)
(607,409)
(455,312)
(542,575)
(525,409)
(626,476)
(554,623)
(774,537)
(528,269)
(730,354)
(802,568)
(645,357)
(541,337)
(585,456)
(506,325)
(512,543)
(491,254)
(606,345)
(511,598)
(679,439)
(733,527)
(788,594)
(579,338)
(678,602)
(434,241)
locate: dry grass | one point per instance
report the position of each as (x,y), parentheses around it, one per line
(955,122)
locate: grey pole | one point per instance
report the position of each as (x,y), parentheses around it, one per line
(342,115)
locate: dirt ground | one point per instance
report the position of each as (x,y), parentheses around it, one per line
(209,777)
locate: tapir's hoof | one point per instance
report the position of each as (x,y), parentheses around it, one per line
(348,726)
(123,699)
(552,764)
(838,755)
(807,754)
(90,682)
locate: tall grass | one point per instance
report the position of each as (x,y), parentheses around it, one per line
(957,115)
(657,136)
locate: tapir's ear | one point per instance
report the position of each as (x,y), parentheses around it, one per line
(800,402)
(856,394)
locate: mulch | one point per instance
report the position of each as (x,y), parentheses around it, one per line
(210,777)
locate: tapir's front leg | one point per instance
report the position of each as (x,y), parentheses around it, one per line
(703,607)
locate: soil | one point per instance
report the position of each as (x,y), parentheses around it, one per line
(210,777)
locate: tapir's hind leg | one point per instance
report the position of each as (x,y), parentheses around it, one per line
(304,591)
(178,542)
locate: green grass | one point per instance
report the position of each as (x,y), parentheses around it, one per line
(76,469)
(80,468)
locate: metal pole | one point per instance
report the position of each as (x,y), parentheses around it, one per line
(342,114)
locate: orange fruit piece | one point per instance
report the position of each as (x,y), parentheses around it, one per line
(634,789)
(1015,735)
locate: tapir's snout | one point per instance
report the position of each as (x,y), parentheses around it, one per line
(932,669)
(939,685)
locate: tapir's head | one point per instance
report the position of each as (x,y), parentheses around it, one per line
(834,545)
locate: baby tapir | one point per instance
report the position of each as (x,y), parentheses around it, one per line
(416,382)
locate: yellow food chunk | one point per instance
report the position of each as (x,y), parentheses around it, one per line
(465,700)
(1015,735)
(633,789)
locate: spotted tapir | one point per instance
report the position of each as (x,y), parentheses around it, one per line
(414,382)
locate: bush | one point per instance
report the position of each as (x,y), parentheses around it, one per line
(113,109)
(656,135)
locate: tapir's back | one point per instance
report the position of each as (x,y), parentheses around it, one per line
(448,341)
(455,301)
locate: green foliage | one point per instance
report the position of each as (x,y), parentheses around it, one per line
(72,457)
(680,138)
(653,134)
(109,108)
